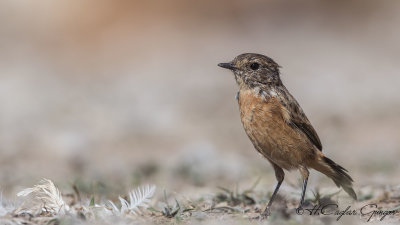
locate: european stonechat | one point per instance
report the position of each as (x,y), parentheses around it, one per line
(277,125)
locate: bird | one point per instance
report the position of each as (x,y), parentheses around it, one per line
(277,125)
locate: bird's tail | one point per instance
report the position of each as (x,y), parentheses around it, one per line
(337,173)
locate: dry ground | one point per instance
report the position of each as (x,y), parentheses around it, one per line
(106,96)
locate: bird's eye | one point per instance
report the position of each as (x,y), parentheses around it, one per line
(254,66)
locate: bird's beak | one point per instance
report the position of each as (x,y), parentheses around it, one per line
(229,66)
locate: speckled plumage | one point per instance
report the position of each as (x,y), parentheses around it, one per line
(277,126)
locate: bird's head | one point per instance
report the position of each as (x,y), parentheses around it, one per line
(251,70)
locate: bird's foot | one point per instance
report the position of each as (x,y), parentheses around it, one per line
(266,212)
(263,216)
(260,217)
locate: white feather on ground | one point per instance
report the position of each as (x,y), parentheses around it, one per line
(45,198)
(138,198)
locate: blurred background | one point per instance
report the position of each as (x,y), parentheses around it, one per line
(114,94)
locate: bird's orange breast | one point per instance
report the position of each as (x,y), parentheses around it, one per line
(264,122)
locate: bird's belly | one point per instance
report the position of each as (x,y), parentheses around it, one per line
(265,136)
(269,133)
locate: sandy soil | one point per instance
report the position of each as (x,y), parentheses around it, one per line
(108,96)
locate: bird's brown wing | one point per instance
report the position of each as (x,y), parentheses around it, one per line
(301,122)
(298,119)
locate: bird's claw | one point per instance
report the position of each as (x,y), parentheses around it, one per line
(263,216)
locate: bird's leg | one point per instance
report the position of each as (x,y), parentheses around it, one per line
(280,175)
(267,210)
(304,173)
